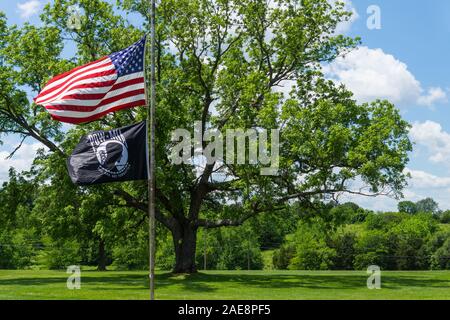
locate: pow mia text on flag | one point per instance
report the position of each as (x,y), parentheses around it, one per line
(109,156)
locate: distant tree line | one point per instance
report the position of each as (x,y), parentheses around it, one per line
(415,238)
(39,229)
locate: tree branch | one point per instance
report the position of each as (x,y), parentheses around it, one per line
(17,148)
(134,203)
(237,222)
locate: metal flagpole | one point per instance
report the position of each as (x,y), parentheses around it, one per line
(151,129)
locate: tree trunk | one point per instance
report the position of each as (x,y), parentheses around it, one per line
(185,243)
(101,256)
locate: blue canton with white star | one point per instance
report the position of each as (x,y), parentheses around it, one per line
(129,60)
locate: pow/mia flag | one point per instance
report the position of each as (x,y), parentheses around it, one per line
(110,156)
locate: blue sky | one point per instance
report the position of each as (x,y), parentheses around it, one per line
(406,61)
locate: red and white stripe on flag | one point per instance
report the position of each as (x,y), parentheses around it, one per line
(88,92)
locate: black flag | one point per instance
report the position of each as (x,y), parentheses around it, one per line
(110,156)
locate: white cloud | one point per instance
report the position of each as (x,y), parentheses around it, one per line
(423,180)
(21,160)
(433,96)
(372,74)
(434,139)
(28,8)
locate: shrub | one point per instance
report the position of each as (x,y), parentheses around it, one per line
(344,244)
(230,249)
(60,254)
(282,257)
(240,250)
(165,253)
(16,250)
(372,249)
(410,237)
(271,228)
(132,253)
(207,242)
(313,258)
(445,217)
(311,250)
(384,221)
(440,260)
(130,256)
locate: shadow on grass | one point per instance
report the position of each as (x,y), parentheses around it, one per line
(107,281)
(310,281)
(210,282)
(103,281)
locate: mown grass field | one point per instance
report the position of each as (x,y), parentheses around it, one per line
(258,285)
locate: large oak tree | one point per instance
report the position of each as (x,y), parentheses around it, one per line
(228,64)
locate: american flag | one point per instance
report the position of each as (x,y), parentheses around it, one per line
(88,92)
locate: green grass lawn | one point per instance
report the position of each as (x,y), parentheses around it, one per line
(258,285)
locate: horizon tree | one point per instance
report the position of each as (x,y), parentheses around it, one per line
(229,64)
(428,205)
(408,207)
